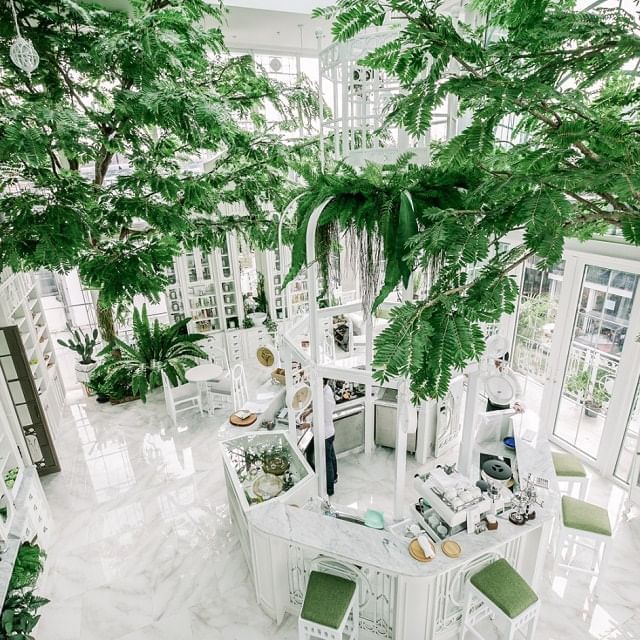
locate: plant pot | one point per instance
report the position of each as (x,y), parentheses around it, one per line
(591,411)
(102,398)
(83,371)
(258,317)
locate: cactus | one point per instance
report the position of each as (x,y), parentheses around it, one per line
(82,344)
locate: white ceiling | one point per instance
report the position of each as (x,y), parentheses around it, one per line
(256,29)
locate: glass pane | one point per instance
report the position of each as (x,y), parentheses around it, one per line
(538,305)
(599,333)
(629,443)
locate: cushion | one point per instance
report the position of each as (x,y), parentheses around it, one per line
(584,516)
(327,599)
(505,587)
(568,466)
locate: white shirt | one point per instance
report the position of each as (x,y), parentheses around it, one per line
(329,408)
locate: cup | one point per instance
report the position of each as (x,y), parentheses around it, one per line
(442,530)
(433,521)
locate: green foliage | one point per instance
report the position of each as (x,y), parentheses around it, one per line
(82,343)
(380,212)
(111,381)
(551,150)
(98,146)
(261,296)
(20,615)
(155,349)
(28,566)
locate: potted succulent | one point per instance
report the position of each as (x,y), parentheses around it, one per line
(84,345)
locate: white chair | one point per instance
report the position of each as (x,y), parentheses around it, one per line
(582,524)
(500,592)
(219,391)
(239,390)
(331,606)
(184,397)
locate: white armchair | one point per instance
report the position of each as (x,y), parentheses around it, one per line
(184,397)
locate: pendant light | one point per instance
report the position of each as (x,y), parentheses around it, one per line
(22,51)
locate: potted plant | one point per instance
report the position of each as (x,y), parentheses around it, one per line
(84,345)
(155,349)
(259,315)
(593,396)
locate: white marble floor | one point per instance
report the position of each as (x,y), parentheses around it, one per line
(143,547)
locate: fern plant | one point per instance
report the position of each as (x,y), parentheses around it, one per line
(155,349)
(570,165)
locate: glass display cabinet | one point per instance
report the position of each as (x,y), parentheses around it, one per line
(261,467)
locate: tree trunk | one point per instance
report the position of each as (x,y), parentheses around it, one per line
(106,323)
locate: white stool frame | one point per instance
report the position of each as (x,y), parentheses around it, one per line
(477,606)
(581,482)
(574,538)
(350,625)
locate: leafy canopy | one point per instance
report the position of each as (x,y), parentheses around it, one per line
(569,167)
(97,147)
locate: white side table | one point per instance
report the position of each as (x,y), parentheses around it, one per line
(202,374)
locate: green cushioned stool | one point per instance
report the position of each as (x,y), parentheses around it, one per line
(582,524)
(570,470)
(504,593)
(330,607)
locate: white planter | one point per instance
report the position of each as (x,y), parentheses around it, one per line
(258,317)
(83,371)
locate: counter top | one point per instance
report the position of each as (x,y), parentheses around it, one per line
(387,551)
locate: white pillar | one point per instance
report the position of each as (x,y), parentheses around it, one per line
(465,455)
(315,335)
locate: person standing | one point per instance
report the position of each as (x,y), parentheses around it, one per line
(331,462)
(329,436)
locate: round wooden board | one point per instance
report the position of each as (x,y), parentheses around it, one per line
(416,552)
(451,549)
(238,422)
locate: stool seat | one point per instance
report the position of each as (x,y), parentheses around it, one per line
(327,599)
(584,516)
(505,587)
(568,466)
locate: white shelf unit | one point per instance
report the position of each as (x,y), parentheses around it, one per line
(20,305)
(206,287)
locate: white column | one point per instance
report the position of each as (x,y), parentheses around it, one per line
(315,335)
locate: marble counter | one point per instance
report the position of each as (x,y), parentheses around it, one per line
(386,551)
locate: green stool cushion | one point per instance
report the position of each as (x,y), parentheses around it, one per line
(505,587)
(568,466)
(327,599)
(578,514)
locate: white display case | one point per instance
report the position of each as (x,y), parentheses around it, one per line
(246,459)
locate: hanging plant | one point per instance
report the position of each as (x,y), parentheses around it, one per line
(376,213)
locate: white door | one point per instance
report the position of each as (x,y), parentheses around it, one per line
(574,346)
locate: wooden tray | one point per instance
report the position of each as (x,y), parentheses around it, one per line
(416,552)
(239,422)
(451,549)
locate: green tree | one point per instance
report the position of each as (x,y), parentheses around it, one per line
(570,168)
(96,145)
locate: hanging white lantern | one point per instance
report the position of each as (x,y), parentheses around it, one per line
(24,55)
(22,52)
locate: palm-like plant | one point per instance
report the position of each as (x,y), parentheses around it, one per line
(155,348)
